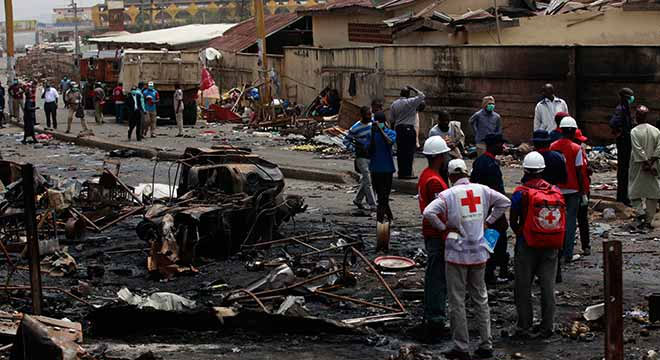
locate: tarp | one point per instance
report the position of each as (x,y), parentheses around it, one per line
(174,37)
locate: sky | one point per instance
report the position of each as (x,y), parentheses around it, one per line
(41,10)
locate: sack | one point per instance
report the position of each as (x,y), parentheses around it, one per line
(545,216)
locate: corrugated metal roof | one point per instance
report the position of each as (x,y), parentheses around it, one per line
(339,4)
(244,35)
(174,37)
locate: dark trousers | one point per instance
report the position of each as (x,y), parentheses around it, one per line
(51,111)
(2,117)
(135,123)
(119,113)
(435,282)
(583,226)
(500,256)
(382,185)
(623,150)
(406,145)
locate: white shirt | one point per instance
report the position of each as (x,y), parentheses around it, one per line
(544,115)
(178,97)
(465,207)
(50,95)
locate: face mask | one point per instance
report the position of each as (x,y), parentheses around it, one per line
(490,107)
(631,99)
(151,87)
(381,125)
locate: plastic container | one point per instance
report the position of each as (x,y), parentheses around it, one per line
(491,236)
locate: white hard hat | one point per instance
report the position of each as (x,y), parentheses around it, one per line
(151,83)
(534,161)
(435,145)
(457,166)
(568,122)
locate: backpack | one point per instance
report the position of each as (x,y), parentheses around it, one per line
(544,214)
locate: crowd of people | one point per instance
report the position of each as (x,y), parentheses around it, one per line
(465,225)
(137,106)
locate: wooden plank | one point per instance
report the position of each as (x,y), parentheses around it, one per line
(613,264)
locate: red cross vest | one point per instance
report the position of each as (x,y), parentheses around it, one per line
(570,151)
(544,214)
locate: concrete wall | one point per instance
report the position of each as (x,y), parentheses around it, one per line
(332,30)
(615,26)
(457,77)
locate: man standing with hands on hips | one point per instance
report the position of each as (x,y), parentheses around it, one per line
(404,114)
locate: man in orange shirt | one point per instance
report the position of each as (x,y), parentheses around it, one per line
(430,185)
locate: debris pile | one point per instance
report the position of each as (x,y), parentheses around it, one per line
(603,158)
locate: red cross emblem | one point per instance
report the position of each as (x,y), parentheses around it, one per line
(471,201)
(550,217)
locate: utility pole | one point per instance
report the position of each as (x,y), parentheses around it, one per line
(76,53)
(497,23)
(151,15)
(9,32)
(261,43)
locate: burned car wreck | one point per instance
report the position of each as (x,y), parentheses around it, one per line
(224,197)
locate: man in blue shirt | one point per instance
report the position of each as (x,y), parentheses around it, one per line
(486,171)
(382,164)
(151,99)
(357,141)
(485,122)
(555,163)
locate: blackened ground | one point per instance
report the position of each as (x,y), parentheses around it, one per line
(329,209)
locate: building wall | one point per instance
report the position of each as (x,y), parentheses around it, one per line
(614,27)
(456,78)
(332,30)
(235,70)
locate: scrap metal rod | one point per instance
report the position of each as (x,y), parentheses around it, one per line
(357,301)
(380,278)
(65,292)
(139,201)
(122,217)
(32,236)
(87,220)
(292,286)
(330,249)
(252,295)
(290,239)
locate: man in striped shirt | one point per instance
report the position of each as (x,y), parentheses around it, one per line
(357,140)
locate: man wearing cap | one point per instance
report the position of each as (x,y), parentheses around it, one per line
(73,102)
(533,261)
(99,101)
(357,140)
(403,113)
(485,122)
(555,163)
(573,189)
(556,133)
(547,108)
(486,171)
(431,184)
(621,123)
(583,211)
(151,99)
(643,183)
(462,211)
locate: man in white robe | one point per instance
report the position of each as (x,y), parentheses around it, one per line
(643,175)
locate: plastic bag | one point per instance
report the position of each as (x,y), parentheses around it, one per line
(491,236)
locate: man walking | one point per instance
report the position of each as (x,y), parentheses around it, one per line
(151,99)
(486,171)
(538,219)
(381,165)
(99,101)
(118,98)
(621,124)
(462,212)
(430,185)
(135,108)
(485,122)
(404,114)
(51,98)
(583,211)
(178,108)
(2,106)
(572,189)
(65,85)
(73,102)
(547,108)
(357,140)
(555,163)
(644,185)
(16,93)
(451,132)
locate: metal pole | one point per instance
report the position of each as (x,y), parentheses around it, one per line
(76,52)
(613,264)
(497,23)
(9,26)
(261,43)
(32,237)
(151,15)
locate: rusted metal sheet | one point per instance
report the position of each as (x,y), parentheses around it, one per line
(370,33)
(613,265)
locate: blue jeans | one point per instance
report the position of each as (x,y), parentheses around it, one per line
(119,113)
(435,282)
(572,207)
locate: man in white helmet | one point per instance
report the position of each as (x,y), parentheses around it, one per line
(462,212)
(431,184)
(538,218)
(573,189)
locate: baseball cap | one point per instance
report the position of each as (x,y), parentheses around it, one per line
(579,136)
(491,139)
(457,166)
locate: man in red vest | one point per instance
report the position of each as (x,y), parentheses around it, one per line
(573,189)
(430,185)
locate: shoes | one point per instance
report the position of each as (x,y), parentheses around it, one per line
(67,132)
(457,354)
(506,274)
(179,135)
(153,136)
(575,257)
(586,251)
(359,205)
(483,354)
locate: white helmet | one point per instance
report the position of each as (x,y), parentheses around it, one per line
(568,122)
(150,84)
(435,145)
(534,161)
